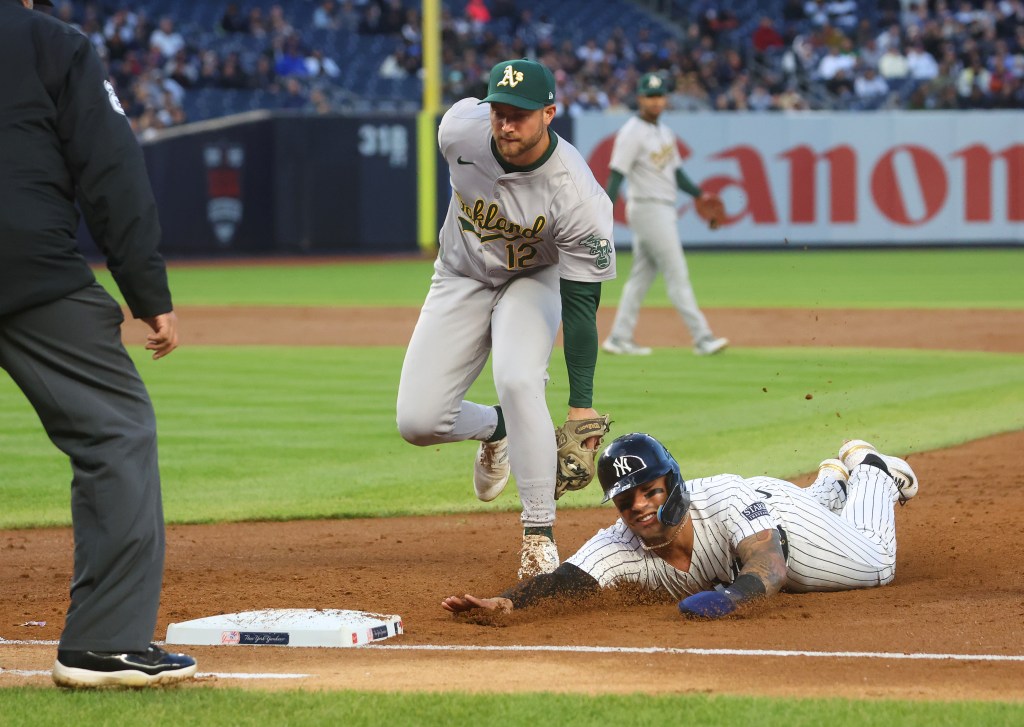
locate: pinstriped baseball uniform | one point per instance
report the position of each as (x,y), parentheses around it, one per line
(507,239)
(645,154)
(833,542)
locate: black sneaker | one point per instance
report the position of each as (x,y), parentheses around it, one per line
(125,669)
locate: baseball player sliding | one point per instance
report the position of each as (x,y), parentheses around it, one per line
(720,542)
(645,155)
(525,245)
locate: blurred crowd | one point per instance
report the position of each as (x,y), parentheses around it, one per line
(818,54)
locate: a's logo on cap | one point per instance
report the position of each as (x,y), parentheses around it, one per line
(512,77)
(627,464)
(654,82)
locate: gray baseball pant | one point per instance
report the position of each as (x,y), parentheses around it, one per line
(68,359)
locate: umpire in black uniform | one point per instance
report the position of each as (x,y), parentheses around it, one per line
(64,136)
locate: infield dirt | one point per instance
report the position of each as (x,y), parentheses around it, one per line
(959,587)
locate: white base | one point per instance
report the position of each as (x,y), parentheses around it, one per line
(286,627)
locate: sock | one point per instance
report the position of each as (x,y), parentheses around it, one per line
(875,461)
(547,532)
(499,431)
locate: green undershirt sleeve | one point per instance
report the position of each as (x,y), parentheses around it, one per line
(579,333)
(614,182)
(686,184)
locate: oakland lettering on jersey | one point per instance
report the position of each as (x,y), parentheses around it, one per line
(486,222)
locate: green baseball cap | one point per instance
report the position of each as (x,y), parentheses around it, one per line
(651,84)
(523,83)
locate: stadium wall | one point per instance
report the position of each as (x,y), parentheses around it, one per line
(273,183)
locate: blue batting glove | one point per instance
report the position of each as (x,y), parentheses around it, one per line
(707,604)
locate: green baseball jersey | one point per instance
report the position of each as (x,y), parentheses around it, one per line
(503,224)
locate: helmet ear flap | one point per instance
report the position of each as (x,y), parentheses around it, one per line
(673,510)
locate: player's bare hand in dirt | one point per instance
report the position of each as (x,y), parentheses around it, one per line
(164,337)
(461,604)
(577,413)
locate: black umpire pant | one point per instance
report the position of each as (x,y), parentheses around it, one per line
(68,359)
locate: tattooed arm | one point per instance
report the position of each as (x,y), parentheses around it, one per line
(762,559)
(763,574)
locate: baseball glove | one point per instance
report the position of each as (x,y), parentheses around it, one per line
(575,459)
(711,210)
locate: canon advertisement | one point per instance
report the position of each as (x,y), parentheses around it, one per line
(820,179)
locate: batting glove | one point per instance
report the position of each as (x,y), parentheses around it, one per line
(707,604)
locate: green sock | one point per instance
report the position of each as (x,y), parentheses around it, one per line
(499,431)
(546,531)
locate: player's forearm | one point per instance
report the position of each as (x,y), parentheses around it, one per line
(686,184)
(566,581)
(579,333)
(763,559)
(614,182)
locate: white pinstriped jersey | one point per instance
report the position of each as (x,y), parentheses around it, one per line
(852,545)
(503,224)
(647,156)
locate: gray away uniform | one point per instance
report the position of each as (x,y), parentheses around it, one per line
(507,239)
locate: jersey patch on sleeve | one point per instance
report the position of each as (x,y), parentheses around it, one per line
(600,248)
(754,511)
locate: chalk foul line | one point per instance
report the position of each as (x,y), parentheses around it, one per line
(705,652)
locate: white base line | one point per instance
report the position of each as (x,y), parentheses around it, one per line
(658,650)
(219,675)
(705,652)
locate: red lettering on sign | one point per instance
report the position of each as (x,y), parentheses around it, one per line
(753,181)
(931,180)
(978,164)
(803,181)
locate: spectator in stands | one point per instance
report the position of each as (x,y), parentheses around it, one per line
(232,75)
(348,17)
(257,23)
(394,64)
(974,77)
(815,11)
(278,24)
(869,86)
(842,13)
(765,37)
(325,17)
(319,65)
(294,96)
(232,21)
(372,22)
(478,13)
(319,103)
(921,63)
(264,76)
(891,37)
(181,69)
(868,54)
(166,39)
(836,61)
(893,64)
(289,59)
(760,99)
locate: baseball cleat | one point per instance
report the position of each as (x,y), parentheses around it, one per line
(152,667)
(539,555)
(835,469)
(625,348)
(852,453)
(710,346)
(490,474)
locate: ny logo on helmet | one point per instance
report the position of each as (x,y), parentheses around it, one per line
(627,464)
(511,78)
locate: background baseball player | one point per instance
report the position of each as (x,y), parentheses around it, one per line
(645,155)
(718,542)
(525,245)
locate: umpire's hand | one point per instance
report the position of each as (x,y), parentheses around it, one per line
(164,337)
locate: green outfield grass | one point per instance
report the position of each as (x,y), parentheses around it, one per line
(783,279)
(286,433)
(236,708)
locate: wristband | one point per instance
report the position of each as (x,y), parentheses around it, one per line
(745,587)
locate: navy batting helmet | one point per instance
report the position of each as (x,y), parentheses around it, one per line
(635,459)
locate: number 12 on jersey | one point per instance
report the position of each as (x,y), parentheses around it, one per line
(519,255)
